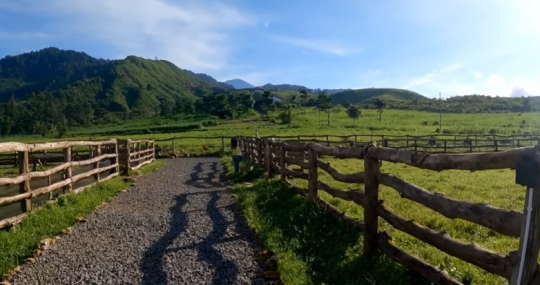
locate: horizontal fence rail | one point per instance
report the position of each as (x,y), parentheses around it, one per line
(76,166)
(278,157)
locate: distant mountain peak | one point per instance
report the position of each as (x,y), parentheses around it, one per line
(239,84)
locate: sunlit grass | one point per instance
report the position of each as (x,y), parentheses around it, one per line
(496,187)
(312,247)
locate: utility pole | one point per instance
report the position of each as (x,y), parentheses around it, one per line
(440,112)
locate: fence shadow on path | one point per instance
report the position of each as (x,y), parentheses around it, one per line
(203,177)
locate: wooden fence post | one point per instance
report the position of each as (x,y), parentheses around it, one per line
(222,145)
(371,218)
(444,146)
(115,159)
(268,158)
(282,156)
(173,148)
(153,150)
(530,244)
(259,153)
(68,172)
(96,165)
(24,187)
(90,152)
(128,157)
(312,175)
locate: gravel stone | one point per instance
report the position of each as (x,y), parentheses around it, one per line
(178,225)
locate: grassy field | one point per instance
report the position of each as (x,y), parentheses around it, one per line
(307,122)
(49,220)
(312,247)
(496,187)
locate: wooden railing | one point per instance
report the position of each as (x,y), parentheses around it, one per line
(71,176)
(276,156)
(427,143)
(208,144)
(136,153)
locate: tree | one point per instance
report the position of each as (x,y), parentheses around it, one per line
(325,103)
(304,97)
(267,102)
(527,106)
(346,104)
(353,112)
(233,103)
(379,105)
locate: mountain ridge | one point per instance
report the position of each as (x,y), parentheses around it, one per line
(239,83)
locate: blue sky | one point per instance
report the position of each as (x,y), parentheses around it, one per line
(455,47)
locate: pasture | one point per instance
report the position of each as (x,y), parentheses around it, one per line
(496,187)
(306,122)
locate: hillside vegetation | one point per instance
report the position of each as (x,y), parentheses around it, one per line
(52,91)
(366,95)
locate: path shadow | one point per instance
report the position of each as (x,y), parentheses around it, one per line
(212,178)
(152,262)
(225,270)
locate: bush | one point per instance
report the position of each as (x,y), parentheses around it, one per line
(209,123)
(493,131)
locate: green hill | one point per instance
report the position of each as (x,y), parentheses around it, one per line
(366,95)
(130,85)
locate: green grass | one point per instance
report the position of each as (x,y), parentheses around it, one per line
(496,187)
(268,206)
(312,247)
(306,122)
(17,243)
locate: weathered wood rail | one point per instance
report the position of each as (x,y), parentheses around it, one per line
(216,144)
(102,163)
(428,143)
(276,157)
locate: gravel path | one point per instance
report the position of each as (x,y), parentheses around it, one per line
(179,225)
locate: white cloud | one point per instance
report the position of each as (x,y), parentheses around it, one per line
(318,45)
(494,85)
(477,75)
(420,80)
(452,67)
(432,76)
(193,35)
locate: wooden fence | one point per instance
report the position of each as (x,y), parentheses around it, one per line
(428,143)
(276,156)
(215,144)
(18,194)
(425,143)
